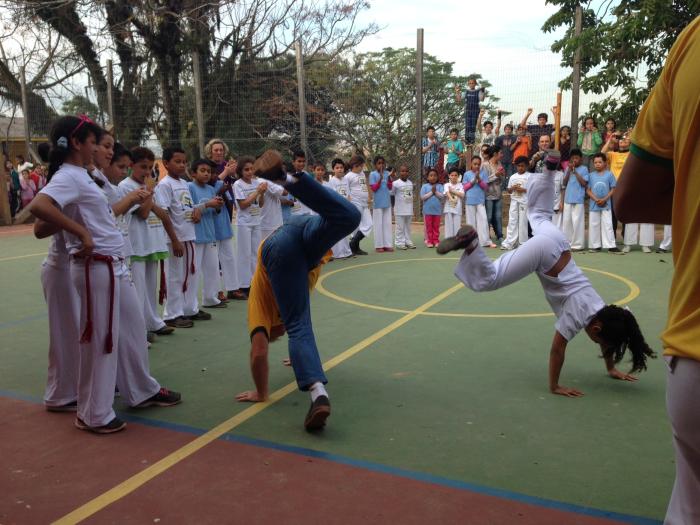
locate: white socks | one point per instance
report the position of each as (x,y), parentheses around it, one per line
(317,389)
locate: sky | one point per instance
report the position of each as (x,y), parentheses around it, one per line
(502,40)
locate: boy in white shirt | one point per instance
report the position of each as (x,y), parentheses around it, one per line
(337,183)
(250,198)
(359,196)
(271,216)
(517,214)
(173,194)
(454,193)
(403,209)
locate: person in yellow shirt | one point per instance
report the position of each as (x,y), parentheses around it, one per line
(289,263)
(660,183)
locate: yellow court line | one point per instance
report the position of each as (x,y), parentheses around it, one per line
(633,292)
(3,259)
(126,487)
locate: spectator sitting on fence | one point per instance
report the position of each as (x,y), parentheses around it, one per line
(488,134)
(505,142)
(589,141)
(455,150)
(430,149)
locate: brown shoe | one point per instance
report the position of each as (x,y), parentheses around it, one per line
(318,413)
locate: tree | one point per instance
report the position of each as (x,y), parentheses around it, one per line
(375,101)
(81,105)
(624,44)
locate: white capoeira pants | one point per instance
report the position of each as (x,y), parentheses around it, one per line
(182,279)
(403,230)
(248,239)
(126,366)
(341,249)
(667,240)
(539,254)
(145,276)
(381,218)
(682,393)
(476,216)
(64,322)
(365,225)
(517,225)
(574,224)
(600,227)
(644,233)
(452,223)
(229,267)
(207,260)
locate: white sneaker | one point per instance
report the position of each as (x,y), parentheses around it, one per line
(626,249)
(646,249)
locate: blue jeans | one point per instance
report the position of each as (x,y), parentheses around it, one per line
(493,216)
(290,253)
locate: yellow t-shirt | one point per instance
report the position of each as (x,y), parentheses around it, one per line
(675,102)
(262,305)
(616,159)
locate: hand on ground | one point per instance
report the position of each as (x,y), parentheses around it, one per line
(616,374)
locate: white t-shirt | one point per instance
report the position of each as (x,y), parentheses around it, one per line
(403,197)
(572,298)
(147,236)
(58,253)
(272,209)
(558,179)
(453,206)
(252,215)
(340,186)
(515,180)
(174,196)
(357,184)
(82,200)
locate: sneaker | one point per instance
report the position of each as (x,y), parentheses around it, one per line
(398,247)
(646,249)
(179,322)
(466,238)
(360,251)
(68,407)
(164,398)
(270,166)
(411,246)
(150,337)
(626,248)
(165,330)
(110,428)
(504,247)
(318,413)
(217,305)
(379,250)
(661,250)
(237,295)
(199,316)
(616,251)
(595,250)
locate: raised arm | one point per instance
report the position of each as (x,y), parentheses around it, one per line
(523,122)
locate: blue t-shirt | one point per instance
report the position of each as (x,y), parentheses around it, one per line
(575,193)
(476,194)
(382,198)
(433,205)
(600,185)
(204,229)
(222,221)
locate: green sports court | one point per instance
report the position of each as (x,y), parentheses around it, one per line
(441,409)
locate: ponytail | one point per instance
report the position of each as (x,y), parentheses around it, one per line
(621,332)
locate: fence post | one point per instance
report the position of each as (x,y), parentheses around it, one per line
(25,112)
(199,107)
(576,80)
(419,119)
(110,96)
(302,98)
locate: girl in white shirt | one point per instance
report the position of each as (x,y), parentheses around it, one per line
(570,294)
(454,200)
(402,189)
(359,196)
(250,198)
(338,184)
(113,349)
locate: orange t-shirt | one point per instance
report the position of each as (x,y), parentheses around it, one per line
(523,149)
(262,305)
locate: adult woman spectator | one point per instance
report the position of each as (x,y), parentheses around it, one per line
(225,168)
(13,187)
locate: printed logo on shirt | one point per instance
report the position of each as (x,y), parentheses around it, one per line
(363,183)
(407,194)
(342,190)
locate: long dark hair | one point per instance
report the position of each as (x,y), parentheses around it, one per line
(620,331)
(62,131)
